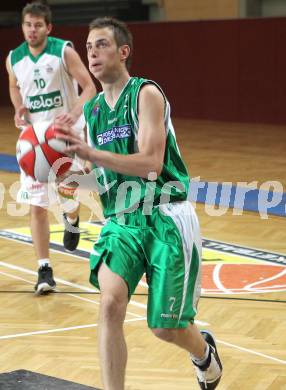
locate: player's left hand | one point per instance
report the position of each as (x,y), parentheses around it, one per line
(20,117)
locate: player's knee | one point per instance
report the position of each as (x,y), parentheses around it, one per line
(38,212)
(112,309)
(168,335)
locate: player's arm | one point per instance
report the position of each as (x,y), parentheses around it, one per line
(16,98)
(151,140)
(78,71)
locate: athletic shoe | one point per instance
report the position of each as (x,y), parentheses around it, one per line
(71,234)
(46,281)
(210,373)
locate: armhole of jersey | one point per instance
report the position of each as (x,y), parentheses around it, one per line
(10,61)
(90,141)
(67,43)
(166,105)
(88,134)
(88,137)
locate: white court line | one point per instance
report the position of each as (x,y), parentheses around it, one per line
(15,277)
(51,249)
(210,292)
(65,282)
(70,294)
(13,336)
(130,320)
(251,351)
(141,283)
(95,325)
(84,288)
(217,280)
(277,276)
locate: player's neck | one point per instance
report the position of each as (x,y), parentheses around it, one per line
(35,51)
(113,89)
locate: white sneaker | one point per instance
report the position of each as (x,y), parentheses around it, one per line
(210,373)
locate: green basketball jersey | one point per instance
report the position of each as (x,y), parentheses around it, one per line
(116,130)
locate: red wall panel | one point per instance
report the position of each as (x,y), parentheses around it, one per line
(258,81)
(219,70)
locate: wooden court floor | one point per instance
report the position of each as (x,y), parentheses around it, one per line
(56,335)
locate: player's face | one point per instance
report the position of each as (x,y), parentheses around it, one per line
(35,30)
(105,58)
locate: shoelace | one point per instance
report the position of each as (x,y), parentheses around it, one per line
(202,374)
(45,271)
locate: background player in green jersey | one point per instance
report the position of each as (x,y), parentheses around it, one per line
(151,225)
(41,68)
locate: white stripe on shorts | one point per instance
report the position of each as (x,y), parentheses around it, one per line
(185,218)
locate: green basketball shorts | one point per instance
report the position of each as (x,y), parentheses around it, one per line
(166,245)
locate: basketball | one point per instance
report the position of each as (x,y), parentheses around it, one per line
(38,149)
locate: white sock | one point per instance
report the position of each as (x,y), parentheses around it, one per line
(201,362)
(72,221)
(43,262)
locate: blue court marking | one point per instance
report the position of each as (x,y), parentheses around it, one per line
(211,193)
(232,196)
(9,163)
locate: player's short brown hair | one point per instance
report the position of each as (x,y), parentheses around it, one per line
(38,8)
(121,33)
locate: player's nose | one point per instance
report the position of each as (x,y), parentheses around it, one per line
(93,52)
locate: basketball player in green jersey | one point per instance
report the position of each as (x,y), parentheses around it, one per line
(151,226)
(43,73)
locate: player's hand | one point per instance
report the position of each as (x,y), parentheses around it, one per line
(66,119)
(19,117)
(87,167)
(75,143)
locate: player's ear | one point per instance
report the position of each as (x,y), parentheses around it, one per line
(124,52)
(50,26)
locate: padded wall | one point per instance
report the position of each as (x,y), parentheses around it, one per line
(230,70)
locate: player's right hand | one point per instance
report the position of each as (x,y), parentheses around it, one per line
(75,144)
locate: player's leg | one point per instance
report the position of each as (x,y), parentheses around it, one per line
(67,194)
(174,287)
(40,231)
(72,232)
(71,208)
(188,338)
(117,264)
(202,349)
(36,194)
(112,345)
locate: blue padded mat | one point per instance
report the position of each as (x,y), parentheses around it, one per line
(9,163)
